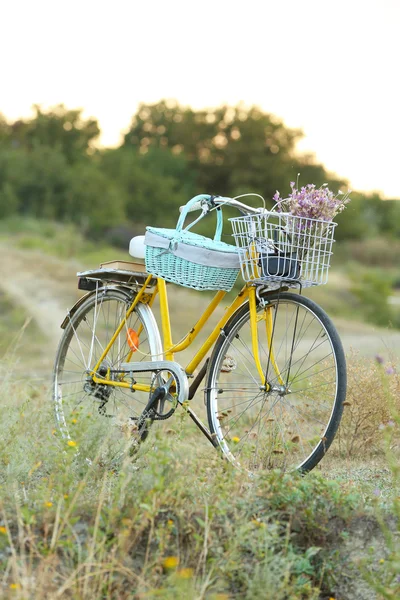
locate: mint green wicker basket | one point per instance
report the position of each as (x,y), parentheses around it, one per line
(189,259)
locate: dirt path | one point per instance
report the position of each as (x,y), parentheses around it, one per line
(43,286)
(46,288)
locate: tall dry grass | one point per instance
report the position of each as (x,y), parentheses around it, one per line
(177,522)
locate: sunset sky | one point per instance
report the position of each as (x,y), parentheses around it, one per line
(328,67)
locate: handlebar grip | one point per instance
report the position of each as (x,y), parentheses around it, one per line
(195,206)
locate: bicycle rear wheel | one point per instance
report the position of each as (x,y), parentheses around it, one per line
(101,418)
(292,423)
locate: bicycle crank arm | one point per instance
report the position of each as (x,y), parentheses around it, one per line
(161,365)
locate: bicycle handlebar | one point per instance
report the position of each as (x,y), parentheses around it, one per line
(204,205)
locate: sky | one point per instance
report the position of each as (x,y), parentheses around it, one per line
(328,67)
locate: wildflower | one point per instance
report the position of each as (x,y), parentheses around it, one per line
(74,421)
(66,496)
(185,573)
(235,439)
(71,443)
(312,202)
(14,586)
(390,371)
(379,359)
(258,523)
(170,562)
(377,492)
(3,530)
(48,504)
(170,523)
(381,561)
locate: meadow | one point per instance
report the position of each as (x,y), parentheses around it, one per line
(177,521)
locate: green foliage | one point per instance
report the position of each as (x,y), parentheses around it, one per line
(157,527)
(231,150)
(373,289)
(154,184)
(60,129)
(50,168)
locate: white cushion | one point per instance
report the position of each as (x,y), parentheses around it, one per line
(137,248)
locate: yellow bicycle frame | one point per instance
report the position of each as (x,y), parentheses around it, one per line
(246,293)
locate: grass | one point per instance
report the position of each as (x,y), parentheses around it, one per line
(17,329)
(55,239)
(171,524)
(179,522)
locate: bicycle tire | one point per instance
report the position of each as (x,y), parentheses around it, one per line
(101,419)
(291,430)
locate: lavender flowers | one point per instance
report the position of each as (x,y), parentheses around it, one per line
(312,202)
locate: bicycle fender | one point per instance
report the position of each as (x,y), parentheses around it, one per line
(73,310)
(82,299)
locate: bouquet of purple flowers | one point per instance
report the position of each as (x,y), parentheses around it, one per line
(312,202)
(307,215)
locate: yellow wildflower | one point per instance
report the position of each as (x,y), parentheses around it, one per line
(235,439)
(71,443)
(3,530)
(15,586)
(381,561)
(185,573)
(73,421)
(170,562)
(258,523)
(48,504)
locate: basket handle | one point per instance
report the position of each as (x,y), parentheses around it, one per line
(186,210)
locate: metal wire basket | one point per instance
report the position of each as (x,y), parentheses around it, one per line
(276,247)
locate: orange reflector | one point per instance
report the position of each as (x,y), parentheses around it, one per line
(133,339)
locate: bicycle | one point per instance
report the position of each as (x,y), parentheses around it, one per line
(273,366)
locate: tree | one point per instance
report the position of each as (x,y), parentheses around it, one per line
(229,150)
(58,128)
(154,184)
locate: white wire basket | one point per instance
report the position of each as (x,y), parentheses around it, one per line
(279,247)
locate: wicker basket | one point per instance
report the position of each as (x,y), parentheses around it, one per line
(192,260)
(280,247)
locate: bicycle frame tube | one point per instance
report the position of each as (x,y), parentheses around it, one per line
(140,328)
(270,329)
(120,326)
(254,332)
(170,348)
(247,292)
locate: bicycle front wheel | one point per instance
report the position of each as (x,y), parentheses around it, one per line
(289,419)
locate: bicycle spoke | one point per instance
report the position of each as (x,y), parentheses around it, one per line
(94,412)
(283,424)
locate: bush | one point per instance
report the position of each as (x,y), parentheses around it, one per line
(376,252)
(174,524)
(372,401)
(373,290)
